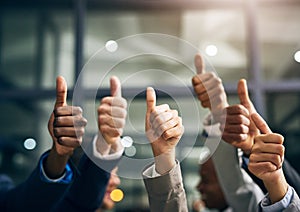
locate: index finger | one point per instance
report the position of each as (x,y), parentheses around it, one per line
(260,123)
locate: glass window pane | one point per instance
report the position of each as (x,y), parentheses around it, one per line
(225,29)
(36,47)
(284,119)
(279,30)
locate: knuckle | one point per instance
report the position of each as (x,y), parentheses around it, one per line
(163,128)
(104,129)
(84,121)
(269,166)
(239,137)
(80,131)
(57,121)
(158,120)
(166,135)
(101,109)
(239,118)
(123,114)
(56,131)
(56,111)
(210,74)
(281,150)
(78,110)
(102,119)
(124,103)
(119,123)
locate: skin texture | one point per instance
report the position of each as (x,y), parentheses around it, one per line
(266,159)
(163,129)
(209,187)
(238,128)
(66,127)
(112,113)
(209,90)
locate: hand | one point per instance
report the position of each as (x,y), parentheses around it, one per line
(112,114)
(267,152)
(66,127)
(266,159)
(163,129)
(209,89)
(66,124)
(238,128)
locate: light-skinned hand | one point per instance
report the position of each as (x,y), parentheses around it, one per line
(266,159)
(209,89)
(163,129)
(112,114)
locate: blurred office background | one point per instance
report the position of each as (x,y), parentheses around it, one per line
(39,40)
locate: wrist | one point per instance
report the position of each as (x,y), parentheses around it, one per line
(102,146)
(117,145)
(55,163)
(164,162)
(276,186)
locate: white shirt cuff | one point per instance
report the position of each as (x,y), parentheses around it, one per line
(280,205)
(52,180)
(150,172)
(111,155)
(212,130)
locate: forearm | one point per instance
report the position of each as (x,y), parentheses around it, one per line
(164,162)
(55,164)
(276,188)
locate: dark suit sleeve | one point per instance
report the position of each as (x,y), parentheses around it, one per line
(88,189)
(32,195)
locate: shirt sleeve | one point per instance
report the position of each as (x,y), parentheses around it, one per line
(211,129)
(110,156)
(66,178)
(150,172)
(165,192)
(266,205)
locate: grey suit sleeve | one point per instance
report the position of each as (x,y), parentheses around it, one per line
(241,192)
(291,199)
(166,192)
(295,203)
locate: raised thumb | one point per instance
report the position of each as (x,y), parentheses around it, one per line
(150,99)
(243,93)
(199,64)
(115,87)
(61,92)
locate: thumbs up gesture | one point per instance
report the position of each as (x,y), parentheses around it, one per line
(239,129)
(209,89)
(163,129)
(266,159)
(66,124)
(66,127)
(112,113)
